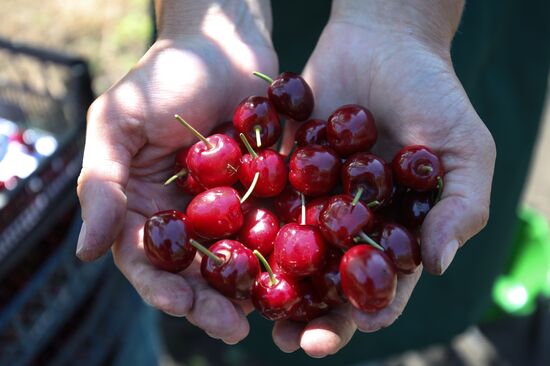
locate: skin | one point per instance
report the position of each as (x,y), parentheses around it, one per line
(395,61)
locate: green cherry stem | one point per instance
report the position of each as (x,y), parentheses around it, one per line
(439,189)
(204,250)
(258,132)
(251,188)
(367,239)
(294,146)
(373,204)
(357,196)
(261,258)
(263,76)
(248,146)
(181,173)
(194,131)
(303,209)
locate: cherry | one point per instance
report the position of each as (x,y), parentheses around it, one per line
(312,132)
(314,170)
(259,230)
(290,94)
(185,181)
(369,172)
(216,213)
(327,281)
(300,250)
(401,247)
(311,306)
(271,166)
(368,278)
(343,218)
(231,268)
(313,210)
(351,129)
(257,118)
(417,167)
(275,294)
(287,205)
(228,129)
(273,264)
(413,208)
(166,237)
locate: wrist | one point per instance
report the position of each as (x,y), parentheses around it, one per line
(431,22)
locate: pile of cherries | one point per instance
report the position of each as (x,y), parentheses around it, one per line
(330,223)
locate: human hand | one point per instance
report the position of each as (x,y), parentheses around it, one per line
(394,58)
(200,67)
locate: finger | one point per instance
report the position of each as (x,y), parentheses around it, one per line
(214,313)
(113,136)
(328,334)
(286,335)
(464,208)
(168,292)
(371,322)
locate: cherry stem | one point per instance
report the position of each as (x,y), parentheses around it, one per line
(439,189)
(426,169)
(258,131)
(373,204)
(370,241)
(194,131)
(204,250)
(272,280)
(251,188)
(303,209)
(248,146)
(263,76)
(181,173)
(357,196)
(294,146)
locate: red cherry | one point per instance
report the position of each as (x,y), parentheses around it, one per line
(369,172)
(368,278)
(234,274)
(257,113)
(274,265)
(166,237)
(291,96)
(327,281)
(311,306)
(273,172)
(351,129)
(259,230)
(216,213)
(313,210)
(413,208)
(401,247)
(417,167)
(314,170)
(342,220)
(185,181)
(312,132)
(288,205)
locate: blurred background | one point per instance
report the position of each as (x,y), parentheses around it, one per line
(54,57)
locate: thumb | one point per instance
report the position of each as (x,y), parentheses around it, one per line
(112,138)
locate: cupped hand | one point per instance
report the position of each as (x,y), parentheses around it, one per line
(410,86)
(131,141)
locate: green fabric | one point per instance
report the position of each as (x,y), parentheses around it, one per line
(501,54)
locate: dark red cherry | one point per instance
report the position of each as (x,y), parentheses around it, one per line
(300,250)
(215,165)
(351,129)
(314,170)
(227,128)
(417,167)
(413,208)
(312,132)
(401,247)
(291,96)
(259,230)
(288,205)
(311,306)
(257,113)
(368,278)
(166,237)
(327,281)
(235,273)
(313,210)
(341,221)
(273,172)
(371,174)
(216,213)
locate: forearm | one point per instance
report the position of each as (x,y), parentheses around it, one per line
(430,20)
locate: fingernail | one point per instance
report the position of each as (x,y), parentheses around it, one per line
(448,254)
(81,239)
